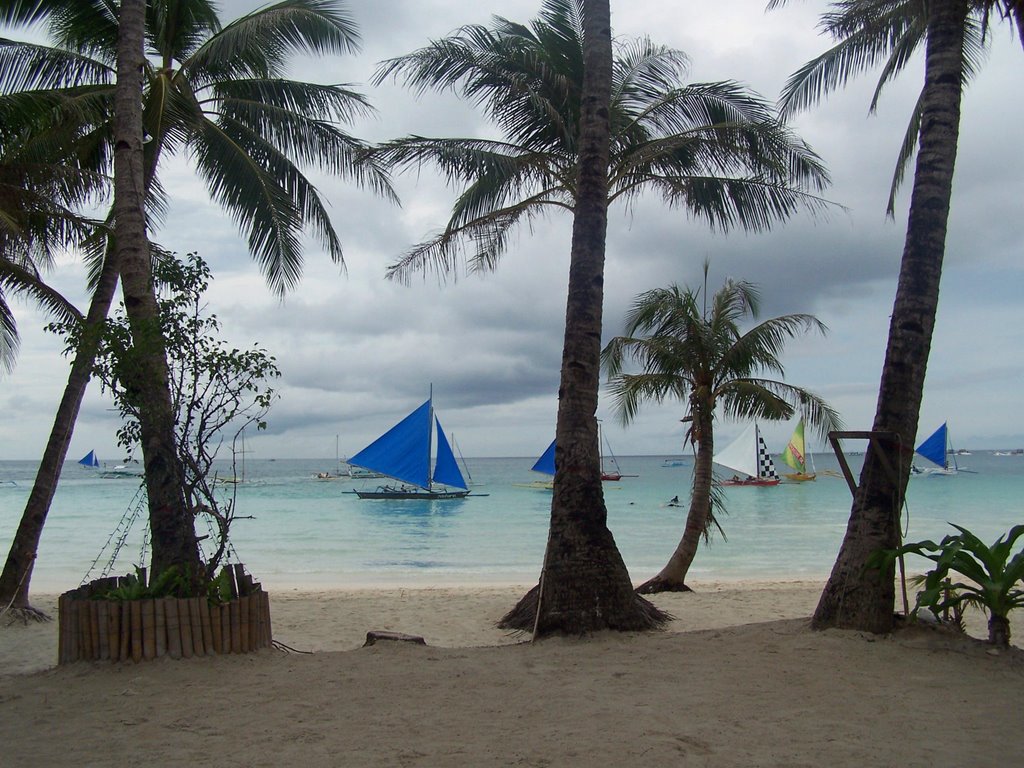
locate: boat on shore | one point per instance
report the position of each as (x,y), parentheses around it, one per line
(749,456)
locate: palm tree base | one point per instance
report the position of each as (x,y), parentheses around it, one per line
(24,614)
(641,615)
(662,584)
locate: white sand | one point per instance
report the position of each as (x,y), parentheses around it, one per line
(738,680)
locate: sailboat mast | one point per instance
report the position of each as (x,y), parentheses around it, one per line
(430,439)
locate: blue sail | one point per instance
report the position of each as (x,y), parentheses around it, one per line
(446,469)
(934,448)
(546,463)
(89,460)
(403,452)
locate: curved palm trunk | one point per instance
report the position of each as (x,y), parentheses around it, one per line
(171,525)
(584,585)
(854,597)
(672,578)
(17,572)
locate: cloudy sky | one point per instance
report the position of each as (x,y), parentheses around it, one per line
(357,352)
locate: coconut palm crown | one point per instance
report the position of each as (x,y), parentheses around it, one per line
(698,354)
(716,149)
(887,33)
(217,93)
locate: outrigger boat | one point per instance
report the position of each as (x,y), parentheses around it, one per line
(748,455)
(796,456)
(403,453)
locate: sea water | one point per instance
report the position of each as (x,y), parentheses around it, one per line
(294,530)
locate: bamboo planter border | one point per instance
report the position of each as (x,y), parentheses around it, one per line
(92,629)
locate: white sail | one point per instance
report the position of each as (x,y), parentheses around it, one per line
(741,454)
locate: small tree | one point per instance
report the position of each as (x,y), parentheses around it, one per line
(689,346)
(994,578)
(217,391)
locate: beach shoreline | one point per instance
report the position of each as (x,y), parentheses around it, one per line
(737,679)
(311,619)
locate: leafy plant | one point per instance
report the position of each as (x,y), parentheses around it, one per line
(994,577)
(217,390)
(170,583)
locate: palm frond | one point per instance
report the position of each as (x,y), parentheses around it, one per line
(259,43)
(29,67)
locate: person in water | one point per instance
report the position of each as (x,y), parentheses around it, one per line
(674,501)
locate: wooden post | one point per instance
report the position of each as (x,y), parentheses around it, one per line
(243,609)
(126,624)
(160,627)
(114,631)
(102,611)
(196,622)
(236,627)
(206,621)
(185,625)
(85,629)
(225,627)
(173,628)
(148,629)
(218,637)
(136,614)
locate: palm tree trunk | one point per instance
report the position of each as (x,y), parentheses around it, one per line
(584,585)
(171,525)
(854,597)
(672,578)
(17,572)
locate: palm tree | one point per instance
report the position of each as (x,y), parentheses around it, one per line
(714,149)
(870,32)
(172,530)
(584,585)
(698,355)
(218,94)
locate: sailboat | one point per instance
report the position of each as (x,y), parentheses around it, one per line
(403,453)
(748,455)
(609,471)
(938,450)
(545,464)
(89,460)
(796,457)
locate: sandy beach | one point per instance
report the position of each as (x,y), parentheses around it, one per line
(738,679)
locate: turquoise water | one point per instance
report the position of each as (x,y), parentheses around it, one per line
(307,532)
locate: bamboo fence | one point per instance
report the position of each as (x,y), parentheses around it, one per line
(91,628)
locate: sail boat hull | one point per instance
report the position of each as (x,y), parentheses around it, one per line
(398,492)
(753,481)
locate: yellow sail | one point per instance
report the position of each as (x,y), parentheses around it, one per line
(796,457)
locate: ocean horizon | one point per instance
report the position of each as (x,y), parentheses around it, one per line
(295,531)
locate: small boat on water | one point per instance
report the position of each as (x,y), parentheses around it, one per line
(939,451)
(404,454)
(90,460)
(796,456)
(749,456)
(545,465)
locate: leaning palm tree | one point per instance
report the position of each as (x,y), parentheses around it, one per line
(699,355)
(886,32)
(218,94)
(715,150)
